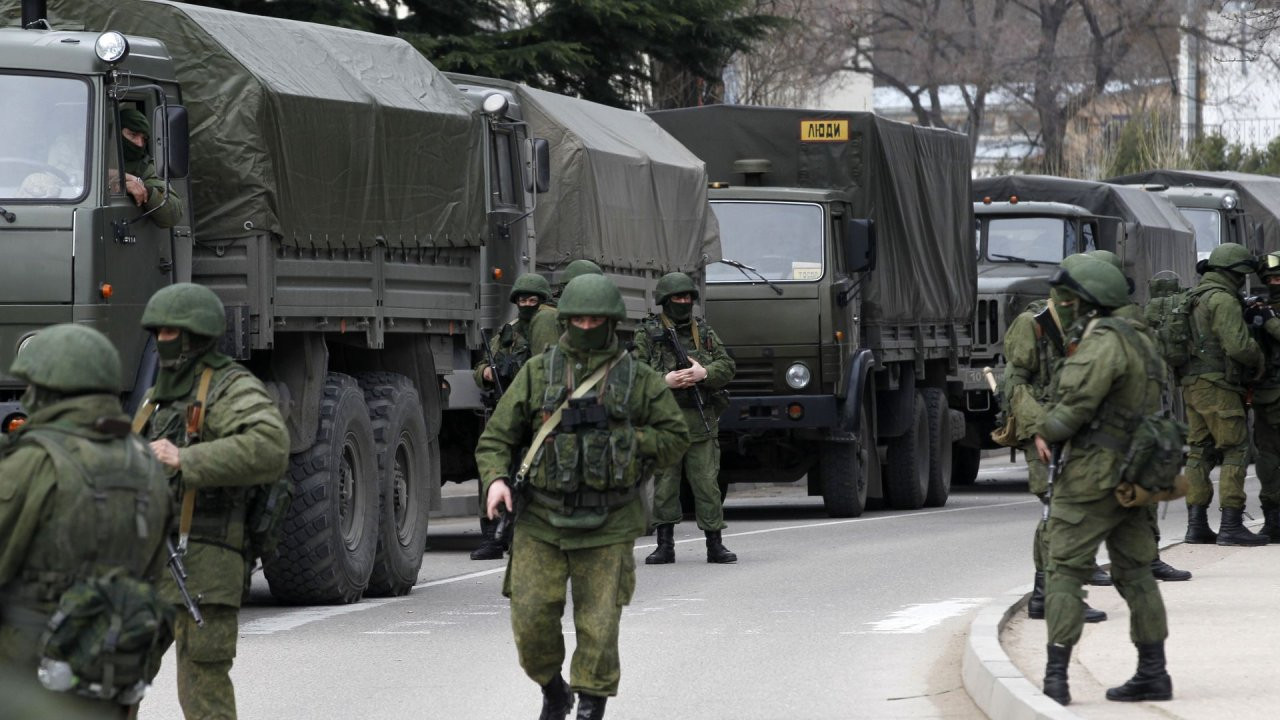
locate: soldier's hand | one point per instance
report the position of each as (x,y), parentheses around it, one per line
(167,453)
(136,189)
(488,374)
(676,379)
(499,494)
(697,373)
(1043,451)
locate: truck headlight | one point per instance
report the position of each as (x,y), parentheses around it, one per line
(798,376)
(1228,202)
(111,47)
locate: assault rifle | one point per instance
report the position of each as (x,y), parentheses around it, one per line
(682,359)
(506,519)
(1055,460)
(179,573)
(493,366)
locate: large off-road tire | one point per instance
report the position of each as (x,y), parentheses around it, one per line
(408,463)
(939,418)
(906,482)
(845,468)
(965,461)
(330,533)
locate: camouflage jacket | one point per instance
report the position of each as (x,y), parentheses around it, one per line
(544,329)
(1033,351)
(655,422)
(170,212)
(702,344)
(1222,350)
(243,443)
(510,350)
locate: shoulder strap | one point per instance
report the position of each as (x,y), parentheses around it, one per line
(554,419)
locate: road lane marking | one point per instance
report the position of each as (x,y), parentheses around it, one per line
(296,618)
(916,619)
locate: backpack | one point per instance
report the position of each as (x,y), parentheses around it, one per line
(1168,314)
(101,641)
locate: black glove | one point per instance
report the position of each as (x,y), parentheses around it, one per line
(1258,313)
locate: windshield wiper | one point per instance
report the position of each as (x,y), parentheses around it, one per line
(1014,258)
(744,269)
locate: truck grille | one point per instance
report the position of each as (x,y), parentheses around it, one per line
(752,378)
(987,322)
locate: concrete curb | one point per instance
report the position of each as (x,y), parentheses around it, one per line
(997,687)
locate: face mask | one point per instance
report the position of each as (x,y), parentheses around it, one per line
(678,312)
(1273,292)
(1066,313)
(133,153)
(170,352)
(597,338)
(525,314)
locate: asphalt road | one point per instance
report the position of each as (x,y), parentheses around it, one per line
(820,619)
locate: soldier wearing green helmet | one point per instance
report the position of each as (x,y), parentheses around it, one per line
(215,428)
(510,350)
(80,498)
(141,181)
(1223,358)
(711,370)
(545,328)
(1261,316)
(1105,382)
(600,421)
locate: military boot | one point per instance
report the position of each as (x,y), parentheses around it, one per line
(491,547)
(1100,578)
(1035,605)
(1055,673)
(716,551)
(1198,532)
(666,550)
(1162,570)
(1151,682)
(591,707)
(1233,532)
(557,699)
(1271,524)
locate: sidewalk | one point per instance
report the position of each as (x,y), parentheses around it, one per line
(1224,631)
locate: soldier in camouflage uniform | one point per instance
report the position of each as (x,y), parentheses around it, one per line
(1223,358)
(1132,312)
(141,181)
(545,328)
(76,439)
(712,370)
(581,511)
(1034,346)
(1104,384)
(241,442)
(1266,396)
(510,351)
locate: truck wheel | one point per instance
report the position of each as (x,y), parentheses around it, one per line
(964,464)
(906,468)
(939,417)
(407,462)
(844,468)
(330,533)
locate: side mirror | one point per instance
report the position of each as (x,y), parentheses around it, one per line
(860,245)
(541,180)
(173,149)
(1259,240)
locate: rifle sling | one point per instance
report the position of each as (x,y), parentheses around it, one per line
(554,419)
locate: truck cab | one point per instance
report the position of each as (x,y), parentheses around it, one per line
(1214,213)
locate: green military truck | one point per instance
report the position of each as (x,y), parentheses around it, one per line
(1223,207)
(360,218)
(845,294)
(1024,225)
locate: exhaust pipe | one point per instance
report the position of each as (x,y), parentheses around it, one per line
(34,13)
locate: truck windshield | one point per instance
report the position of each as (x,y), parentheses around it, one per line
(1018,239)
(783,241)
(1207,223)
(45,131)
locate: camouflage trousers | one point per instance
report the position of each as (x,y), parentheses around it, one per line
(1218,435)
(205,655)
(1266,437)
(701,467)
(1076,530)
(603,580)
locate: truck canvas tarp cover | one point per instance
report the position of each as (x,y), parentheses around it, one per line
(1259,194)
(1159,239)
(624,193)
(324,136)
(912,181)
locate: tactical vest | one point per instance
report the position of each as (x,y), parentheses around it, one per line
(513,350)
(663,358)
(1207,355)
(594,447)
(112,505)
(220,512)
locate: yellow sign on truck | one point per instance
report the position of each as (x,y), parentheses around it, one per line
(824,130)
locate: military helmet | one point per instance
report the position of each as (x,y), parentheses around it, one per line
(71,359)
(591,295)
(578,268)
(1114,260)
(531,284)
(1234,257)
(186,306)
(1092,280)
(1269,265)
(675,283)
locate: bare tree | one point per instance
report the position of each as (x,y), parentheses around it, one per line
(791,67)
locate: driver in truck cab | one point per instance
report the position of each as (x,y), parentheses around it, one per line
(140,179)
